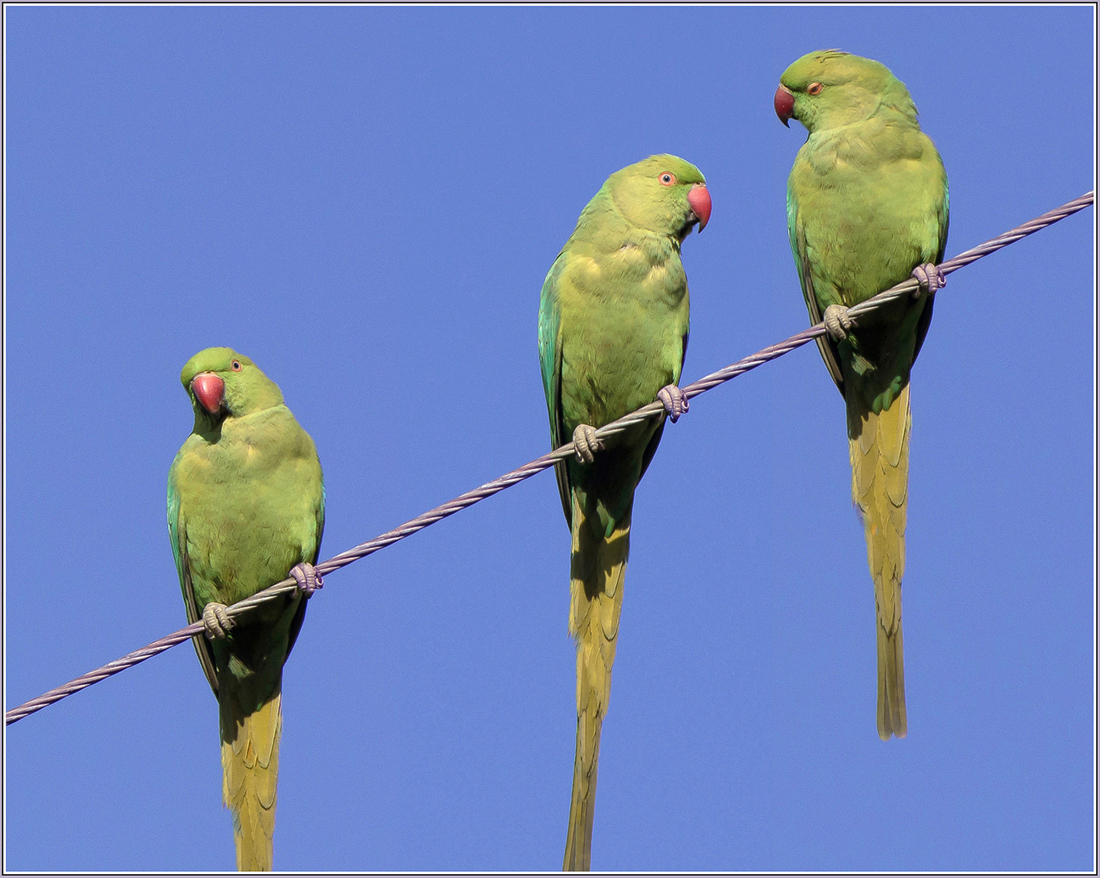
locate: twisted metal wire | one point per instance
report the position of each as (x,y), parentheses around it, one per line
(906,288)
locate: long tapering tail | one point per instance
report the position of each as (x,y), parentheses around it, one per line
(879,447)
(597,568)
(250,767)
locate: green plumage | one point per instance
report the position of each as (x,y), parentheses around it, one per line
(245,505)
(613,328)
(867,202)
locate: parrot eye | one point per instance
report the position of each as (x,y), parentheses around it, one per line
(667,179)
(235,365)
(814,88)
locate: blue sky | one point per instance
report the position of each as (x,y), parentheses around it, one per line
(366,201)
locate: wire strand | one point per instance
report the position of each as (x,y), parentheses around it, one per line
(906,288)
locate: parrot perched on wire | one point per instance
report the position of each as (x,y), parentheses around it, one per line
(246,507)
(613,328)
(867,207)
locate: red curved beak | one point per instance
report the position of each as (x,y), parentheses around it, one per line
(699,199)
(209,390)
(784,105)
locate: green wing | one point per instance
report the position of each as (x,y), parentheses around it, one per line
(177,534)
(300,615)
(550,362)
(830,353)
(926,316)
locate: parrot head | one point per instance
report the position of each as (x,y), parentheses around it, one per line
(662,193)
(831,88)
(223,383)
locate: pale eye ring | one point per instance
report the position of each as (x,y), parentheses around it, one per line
(235,365)
(814,88)
(667,179)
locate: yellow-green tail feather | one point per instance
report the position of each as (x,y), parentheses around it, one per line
(250,766)
(879,447)
(597,569)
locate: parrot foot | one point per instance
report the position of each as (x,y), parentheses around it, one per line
(586,443)
(216,621)
(930,278)
(837,322)
(674,401)
(307,577)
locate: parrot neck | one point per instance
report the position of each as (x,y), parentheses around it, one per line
(871,143)
(208,426)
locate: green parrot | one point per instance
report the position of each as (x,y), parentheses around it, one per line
(246,505)
(866,208)
(613,328)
